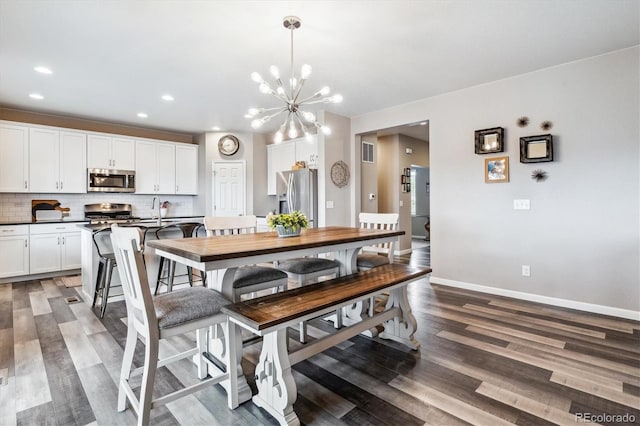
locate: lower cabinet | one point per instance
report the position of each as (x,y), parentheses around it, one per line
(14,249)
(54,247)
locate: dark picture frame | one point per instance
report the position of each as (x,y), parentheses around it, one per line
(489,141)
(536,149)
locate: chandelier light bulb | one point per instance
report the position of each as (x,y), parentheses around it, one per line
(277,138)
(324,91)
(264,88)
(256,77)
(326,130)
(254,111)
(275,72)
(336,99)
(309,116)
(280,90)
(305,71)
(293,132)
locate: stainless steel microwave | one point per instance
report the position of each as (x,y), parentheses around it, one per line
(107,180)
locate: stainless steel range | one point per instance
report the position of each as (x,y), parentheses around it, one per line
(109,213)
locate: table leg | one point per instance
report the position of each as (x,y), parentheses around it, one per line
(276,387)
(222,281)
(400,329)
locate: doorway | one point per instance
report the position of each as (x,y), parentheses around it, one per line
(229,190)
(385,156)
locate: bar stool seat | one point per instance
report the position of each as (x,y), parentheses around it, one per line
(188,229)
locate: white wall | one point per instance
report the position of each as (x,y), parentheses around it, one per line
(582,234)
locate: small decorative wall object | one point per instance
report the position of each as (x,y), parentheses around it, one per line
(539,175)
(406,187)
(340,174)
(536,149)
(546,126)
(405,179)
(489,140)
(522,121)
(496,169)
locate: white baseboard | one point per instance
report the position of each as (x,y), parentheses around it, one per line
(401,252)
(564,303)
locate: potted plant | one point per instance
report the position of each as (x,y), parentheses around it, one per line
(288,224)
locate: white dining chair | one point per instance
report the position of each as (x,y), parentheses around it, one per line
(154,318)
(252,278)
(380,254)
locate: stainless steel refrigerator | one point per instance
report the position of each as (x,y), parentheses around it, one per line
(298,190)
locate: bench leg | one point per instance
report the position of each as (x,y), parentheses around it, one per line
(402,328)
(276,387)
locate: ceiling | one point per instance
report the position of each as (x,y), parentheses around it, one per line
(113,59)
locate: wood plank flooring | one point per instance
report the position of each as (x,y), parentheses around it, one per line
(484,360)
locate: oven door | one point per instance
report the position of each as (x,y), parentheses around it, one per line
(105,180)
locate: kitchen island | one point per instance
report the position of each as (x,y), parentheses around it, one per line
(90,259)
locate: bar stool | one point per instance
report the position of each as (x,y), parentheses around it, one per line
(188,229)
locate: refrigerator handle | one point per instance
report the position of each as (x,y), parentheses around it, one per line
(289,193)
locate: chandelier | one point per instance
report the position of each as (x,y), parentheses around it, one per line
(297,116)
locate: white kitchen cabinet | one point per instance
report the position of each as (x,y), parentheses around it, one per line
(186,169)
(57,161)
(54,247)
(14,246)
(155,168)
(307,151)
(14,161)
(107,152)
(279,157)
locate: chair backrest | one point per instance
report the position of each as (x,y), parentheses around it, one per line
(386,221)
(102,241)
(230,225)
(133,274)
(187,229)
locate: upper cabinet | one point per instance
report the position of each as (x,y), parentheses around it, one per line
(14,161)
(107,152)
(284,155)
(57,161)
(186,169)
(155,167)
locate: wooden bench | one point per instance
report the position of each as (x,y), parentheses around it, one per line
(269,316)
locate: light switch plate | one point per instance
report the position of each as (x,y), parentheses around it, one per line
(329,204)
(521,204)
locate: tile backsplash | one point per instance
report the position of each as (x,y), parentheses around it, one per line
(17,207)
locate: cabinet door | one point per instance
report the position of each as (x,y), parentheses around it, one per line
(70,251)
(146,168)
(123,153)
(14,161)
(166,166)
(44,253)
(73,162)
(307,151)
(44,160)
(186,169)
(15,256)
(99,152)
(279,157)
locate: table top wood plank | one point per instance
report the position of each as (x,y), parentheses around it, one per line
(269,311)
(208,249)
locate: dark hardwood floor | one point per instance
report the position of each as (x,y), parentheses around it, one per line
(484,360)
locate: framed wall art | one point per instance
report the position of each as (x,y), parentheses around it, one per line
(496,169)
(489,140)
(536,149)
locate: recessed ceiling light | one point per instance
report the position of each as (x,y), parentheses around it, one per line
(215,128)
(142,115)
(43,70)
(37,96)
(424,123)
(167,98)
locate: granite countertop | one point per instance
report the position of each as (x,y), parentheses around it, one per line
(144,222)
(29,222)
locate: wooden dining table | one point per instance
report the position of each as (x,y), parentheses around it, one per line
(220,256)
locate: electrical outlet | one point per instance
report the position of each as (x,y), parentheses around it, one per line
(401,203)
(526,271)
(521,204)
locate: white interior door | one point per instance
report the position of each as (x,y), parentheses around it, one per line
(229,188)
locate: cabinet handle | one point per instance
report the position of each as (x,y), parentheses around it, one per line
(60,185)
(8,230)
(56,185)
(25,184)
(58,240)
(25,243)
(63,241)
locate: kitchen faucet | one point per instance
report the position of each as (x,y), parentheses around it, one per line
(153,205)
